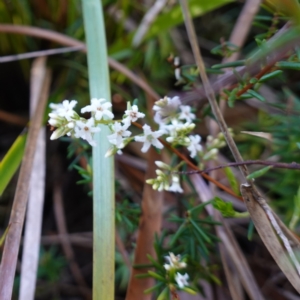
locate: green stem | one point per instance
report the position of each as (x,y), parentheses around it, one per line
(244,214)
(103,168)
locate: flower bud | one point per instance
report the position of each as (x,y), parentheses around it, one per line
(211,154)
(162,165)
(58,133)
(159,172)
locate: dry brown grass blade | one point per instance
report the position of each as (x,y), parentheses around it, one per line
(33,223)
(68,41)
(12,242)
(242,27)
(147,20)
(77,239)
(12,118)
(232,278)
(267,234)
(150,224)
(230,244)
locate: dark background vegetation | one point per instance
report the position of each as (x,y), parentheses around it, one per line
(149,61)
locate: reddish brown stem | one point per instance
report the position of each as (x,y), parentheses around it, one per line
(194,167)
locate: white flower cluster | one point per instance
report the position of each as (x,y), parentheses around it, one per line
(175,264)
(174,119)
(164,177)
(68,122)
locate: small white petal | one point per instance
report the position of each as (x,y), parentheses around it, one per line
(181,280)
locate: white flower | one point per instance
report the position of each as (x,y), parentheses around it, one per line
(85,130)
(194,145)
(173,127)
(174,262)
(132,115)
(165,107)
(186,113)
(120,131)
(176,61)
(181,279)
(65,109)
(175,187)
(99,108)
(177,72)
(55,106)
(150,138)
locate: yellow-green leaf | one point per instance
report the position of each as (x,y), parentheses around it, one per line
(11,161)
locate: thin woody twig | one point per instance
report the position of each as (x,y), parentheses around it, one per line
(8,58)
(148,19)
(194,167)
(60,220)
(293,166)
(68,41)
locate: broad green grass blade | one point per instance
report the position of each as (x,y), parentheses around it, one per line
(103,168)
(11,161)
(174,17)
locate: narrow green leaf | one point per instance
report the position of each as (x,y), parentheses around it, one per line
(296,212)
(263,18)
(202,248)
(189,291)
(11,161)
(288,65)
(270,75)
(156,287)
(141,276)
(180,231)
(232,180)
(2,239)
(155,263)
(260,25)
(156,276)
(245,96)
(259,173)
(213,71)
(256,95)
(236,63)
(164,295)
(142,266)
(250,231)
(200,231)
(198,209)
(232,97)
